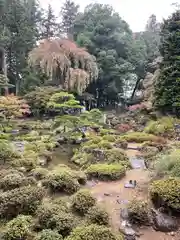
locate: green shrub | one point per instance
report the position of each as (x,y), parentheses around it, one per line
(121,143)
(97,215)
(166,193)
(140,137)
(24,200)
(168,163)
(63,222)
(89,146)
(104,132)
(18,228)
(40,173)
(82,158)
(29,160)
(82,201)
(163,125)
(110,138)
(7,152)
(116,156)
(80,176)
(48,234)
(46,211)
(5,172)
(77,175)
(105,172)
(113,155)
(5,136)
(61,181)
(93,232)
(13,181)
(138,212)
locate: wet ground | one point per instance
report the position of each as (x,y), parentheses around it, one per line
(114,196)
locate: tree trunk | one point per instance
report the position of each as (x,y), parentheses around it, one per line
(4,70)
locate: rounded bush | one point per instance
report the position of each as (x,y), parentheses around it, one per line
(106,172)
(116,155)
(40,173)
(63,222)
(140,137)
(93,232)
(48,234)
(97,215)
(166,193)
(163,125)
(7,152)
(15,180)
(62,181)
(18,228)
(119,143)
(29,160)
(46,211)
(138,212)
(168,163)
(24,200)
(110,138)
(82,201)
(5,172)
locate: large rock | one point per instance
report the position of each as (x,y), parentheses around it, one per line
(162,222)
(127,231)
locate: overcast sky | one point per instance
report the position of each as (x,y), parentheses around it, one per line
(135,12)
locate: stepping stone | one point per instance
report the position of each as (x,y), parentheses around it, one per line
(137,163)
(129,185)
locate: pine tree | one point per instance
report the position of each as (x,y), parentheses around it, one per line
(167,88)
(49,24)
(69,13)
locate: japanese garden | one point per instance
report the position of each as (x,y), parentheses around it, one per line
(89,124)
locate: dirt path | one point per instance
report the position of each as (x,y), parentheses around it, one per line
(114,196)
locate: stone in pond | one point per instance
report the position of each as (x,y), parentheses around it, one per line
(162,222)
(107,194)
(127,231)
(124,214)
(137,163)
(130,184)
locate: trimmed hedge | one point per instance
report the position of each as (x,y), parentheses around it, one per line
(82,201)
(116,155)
(24,200)
(166,193)
(140,137)
(61,182)
(18,228)
(29,160)
(93,232)
(16,180)
(48,234)
(138,212)
(63,222)
(46,211)
(40,173)
(97,215)
(163,125)
(7,152)
(106,172)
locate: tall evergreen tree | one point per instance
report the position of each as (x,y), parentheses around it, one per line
(69,13)
(18,35)
(108,38)
(167,88)
(49,24)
